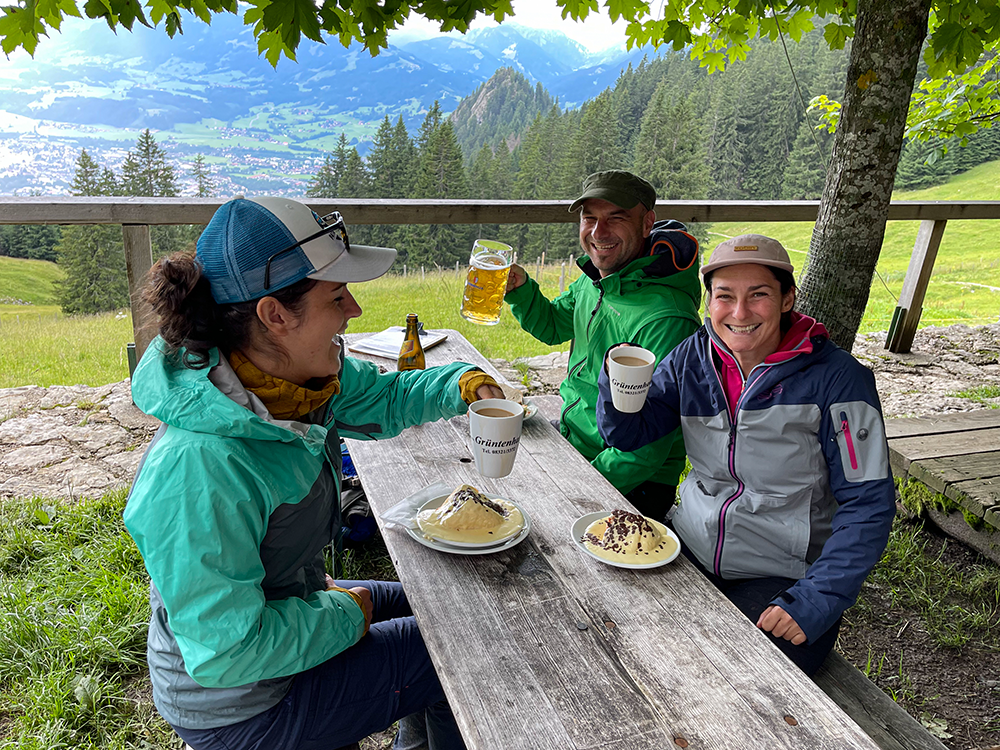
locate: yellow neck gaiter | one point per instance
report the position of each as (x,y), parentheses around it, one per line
(284,400)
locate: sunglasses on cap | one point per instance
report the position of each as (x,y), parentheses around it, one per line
(332,224)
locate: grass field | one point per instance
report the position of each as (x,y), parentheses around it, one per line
(39,346)
(965,286)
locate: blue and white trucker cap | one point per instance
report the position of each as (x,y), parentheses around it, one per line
(253,247)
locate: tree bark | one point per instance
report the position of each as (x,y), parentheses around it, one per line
(847,237)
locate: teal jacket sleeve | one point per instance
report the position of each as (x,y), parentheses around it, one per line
(627,470)
(201,550)
(373,405)
(549,321)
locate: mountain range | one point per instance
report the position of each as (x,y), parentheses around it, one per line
(261,128)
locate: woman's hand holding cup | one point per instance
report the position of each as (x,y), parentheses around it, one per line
(630,369)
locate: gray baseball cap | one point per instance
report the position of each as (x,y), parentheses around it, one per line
(748,248)
(617,186)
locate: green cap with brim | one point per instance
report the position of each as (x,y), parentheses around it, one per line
(617,186)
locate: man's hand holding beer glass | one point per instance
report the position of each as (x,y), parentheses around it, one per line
(515,277)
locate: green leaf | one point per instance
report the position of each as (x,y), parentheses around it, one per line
(200,9)
(158,10)
(578,9)
(270,45)
(42,517)
(829,112)
(714,61)
(955,46)
(626,9)
(800,24)
(836,35)
(99,9)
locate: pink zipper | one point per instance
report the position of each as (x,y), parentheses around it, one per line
(850,441)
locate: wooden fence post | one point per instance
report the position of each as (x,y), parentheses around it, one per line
(918,276)
(562,277)
(138,261)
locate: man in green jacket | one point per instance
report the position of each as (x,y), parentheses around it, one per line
(639,284)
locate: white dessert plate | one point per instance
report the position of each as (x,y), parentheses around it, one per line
(471,548)
(530,409)
(581,525)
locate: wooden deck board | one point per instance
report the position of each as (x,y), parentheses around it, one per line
(939,473)
(957,455)
(936,424)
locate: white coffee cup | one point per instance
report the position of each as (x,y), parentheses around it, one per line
(495,429)
(630,369)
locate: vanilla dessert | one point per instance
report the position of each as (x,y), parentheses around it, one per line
(468,516)
(629,537)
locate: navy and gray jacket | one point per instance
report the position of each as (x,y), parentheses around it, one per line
(794,484)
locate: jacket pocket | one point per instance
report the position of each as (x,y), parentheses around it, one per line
(860,440)
(767,535)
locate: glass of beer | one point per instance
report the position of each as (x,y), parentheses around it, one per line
(486,282)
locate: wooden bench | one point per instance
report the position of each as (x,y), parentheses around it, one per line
(882,719)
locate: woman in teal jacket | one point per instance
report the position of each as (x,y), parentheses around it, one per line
(251,644)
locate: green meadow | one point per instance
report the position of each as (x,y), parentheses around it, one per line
(40,346)
(965,285)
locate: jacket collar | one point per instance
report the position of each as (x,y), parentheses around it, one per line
(797,340)
(211,400)
(668,250)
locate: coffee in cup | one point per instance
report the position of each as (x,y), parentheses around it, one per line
(630,369)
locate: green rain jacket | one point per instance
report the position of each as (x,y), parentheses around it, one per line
(231,510)
(652,302)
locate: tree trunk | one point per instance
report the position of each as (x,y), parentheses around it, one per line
(850,227)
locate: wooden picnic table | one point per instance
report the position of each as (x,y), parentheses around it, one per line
(541,646)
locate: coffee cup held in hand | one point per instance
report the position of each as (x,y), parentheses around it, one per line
(495,430)
(630,369)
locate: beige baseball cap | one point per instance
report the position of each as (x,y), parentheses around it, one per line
(748,248)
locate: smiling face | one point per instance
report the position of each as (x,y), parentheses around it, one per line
(613,236)
(745,307)
(308,341)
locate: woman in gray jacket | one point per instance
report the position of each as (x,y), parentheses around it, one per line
(789,500)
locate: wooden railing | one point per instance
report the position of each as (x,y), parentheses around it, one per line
(136,215)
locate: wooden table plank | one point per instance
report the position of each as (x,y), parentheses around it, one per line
(540,646)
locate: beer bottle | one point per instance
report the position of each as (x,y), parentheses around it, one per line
(411,354)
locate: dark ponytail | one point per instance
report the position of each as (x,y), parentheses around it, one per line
(191,323)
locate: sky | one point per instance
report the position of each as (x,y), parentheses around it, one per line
(596,33)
